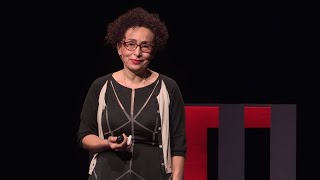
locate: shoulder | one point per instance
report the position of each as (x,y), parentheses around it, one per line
(167,80)
(100,81)
(170,84)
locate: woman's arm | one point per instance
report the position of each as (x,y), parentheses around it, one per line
(95,144)
(177,167)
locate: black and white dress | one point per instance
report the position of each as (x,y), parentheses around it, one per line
(153,115)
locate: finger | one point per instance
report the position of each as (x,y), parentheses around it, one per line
(129,140)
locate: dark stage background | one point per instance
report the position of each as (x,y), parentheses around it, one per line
(218,52)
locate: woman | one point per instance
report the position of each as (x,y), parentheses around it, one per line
(140,105)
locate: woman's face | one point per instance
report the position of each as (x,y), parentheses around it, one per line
(136,49)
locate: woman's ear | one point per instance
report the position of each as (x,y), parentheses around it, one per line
(119,49)
(119,46)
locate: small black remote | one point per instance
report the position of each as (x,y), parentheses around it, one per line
(120,139)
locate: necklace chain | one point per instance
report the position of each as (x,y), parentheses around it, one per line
(143,80)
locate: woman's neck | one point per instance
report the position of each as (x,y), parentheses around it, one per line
(133,80)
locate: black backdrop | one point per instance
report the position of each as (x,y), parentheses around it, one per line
(218,52)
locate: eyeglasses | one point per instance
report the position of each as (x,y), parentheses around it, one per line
(131,46)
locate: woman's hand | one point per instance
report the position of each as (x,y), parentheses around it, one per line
(122,146)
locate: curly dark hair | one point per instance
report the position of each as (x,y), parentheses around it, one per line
(137,17)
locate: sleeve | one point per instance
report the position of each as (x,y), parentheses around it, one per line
(177,123)
(88,116)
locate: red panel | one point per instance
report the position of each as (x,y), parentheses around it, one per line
(198,120)
(257,117)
